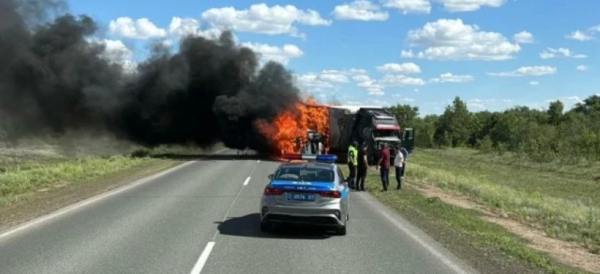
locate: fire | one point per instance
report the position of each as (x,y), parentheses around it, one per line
(294,123)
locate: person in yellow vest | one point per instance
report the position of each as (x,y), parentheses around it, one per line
(352,163)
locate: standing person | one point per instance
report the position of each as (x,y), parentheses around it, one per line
(405,154)
(352,161)
(384,166)
(399,165)
(363,165)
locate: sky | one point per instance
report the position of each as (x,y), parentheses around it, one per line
(494,54)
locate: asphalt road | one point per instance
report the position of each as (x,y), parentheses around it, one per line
(202,217)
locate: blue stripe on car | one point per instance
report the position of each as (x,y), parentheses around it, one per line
(299,185)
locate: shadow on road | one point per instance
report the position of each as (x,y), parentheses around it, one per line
(249,226)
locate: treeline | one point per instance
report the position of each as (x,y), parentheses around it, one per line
(542,135)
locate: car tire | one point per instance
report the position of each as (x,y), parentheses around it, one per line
(266,227)
(341,230)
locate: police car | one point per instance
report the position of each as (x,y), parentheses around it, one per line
(312,192)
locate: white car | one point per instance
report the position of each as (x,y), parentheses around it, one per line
(312,193)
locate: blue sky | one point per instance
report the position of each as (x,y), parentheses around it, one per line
(492,53)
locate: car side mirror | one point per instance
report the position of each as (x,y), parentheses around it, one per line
(270,176)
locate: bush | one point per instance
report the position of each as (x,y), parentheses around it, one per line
(140,153)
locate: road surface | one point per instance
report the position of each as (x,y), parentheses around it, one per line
(202,217)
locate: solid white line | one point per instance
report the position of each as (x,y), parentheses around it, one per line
(247,180)
(81,204)
(203,257)
(88,201)
(449,263)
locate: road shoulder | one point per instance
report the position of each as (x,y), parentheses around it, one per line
(51,199)
(487,247)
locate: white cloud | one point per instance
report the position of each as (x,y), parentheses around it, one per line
(372,87)
(333,76)
(401,80)
(526,71)
(582,67)
(534,83)
(360,10)
(408,6)
(551,53)
(278,54)
(407,54)
(451,78)
(523,37)
(578,35)
(117,53)
(399,68)
(451,39)
(468,5)
(361,78)
(595,28)
(260,18)
(190,26)
(339,75)
(141,28)
(311,82)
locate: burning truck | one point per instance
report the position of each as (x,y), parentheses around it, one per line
(310,128)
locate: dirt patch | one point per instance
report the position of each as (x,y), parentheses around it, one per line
(565,252)
(47,200)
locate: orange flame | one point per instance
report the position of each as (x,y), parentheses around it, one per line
(294,123)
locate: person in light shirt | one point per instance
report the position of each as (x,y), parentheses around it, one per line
(399,166)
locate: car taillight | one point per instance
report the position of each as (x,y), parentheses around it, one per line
(273,191)
(331,194)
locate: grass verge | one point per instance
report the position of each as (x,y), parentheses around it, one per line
(486,246)
(561,200)
(20,181)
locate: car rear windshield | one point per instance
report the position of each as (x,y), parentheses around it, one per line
(304,174)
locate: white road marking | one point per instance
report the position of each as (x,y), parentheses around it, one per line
(247,180)
(232,203)
(203,257)
(444,259)
(258,161)
(91,200)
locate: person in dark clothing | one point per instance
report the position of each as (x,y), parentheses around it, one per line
(363,165)
(384,166)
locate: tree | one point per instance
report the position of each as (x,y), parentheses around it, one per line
(405,114)
(589,105)
(555,112)
(454,126)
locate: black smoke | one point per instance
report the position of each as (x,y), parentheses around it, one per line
(53,79)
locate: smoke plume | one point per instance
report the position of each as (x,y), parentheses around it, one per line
(53,78)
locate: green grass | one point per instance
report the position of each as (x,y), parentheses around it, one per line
(34,165)
(482,235)
(19,181)
(562,200)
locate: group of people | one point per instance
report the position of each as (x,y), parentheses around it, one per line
(358,164)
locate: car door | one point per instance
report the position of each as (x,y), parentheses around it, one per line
(345,191)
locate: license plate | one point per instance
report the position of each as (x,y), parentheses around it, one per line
(300,197)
